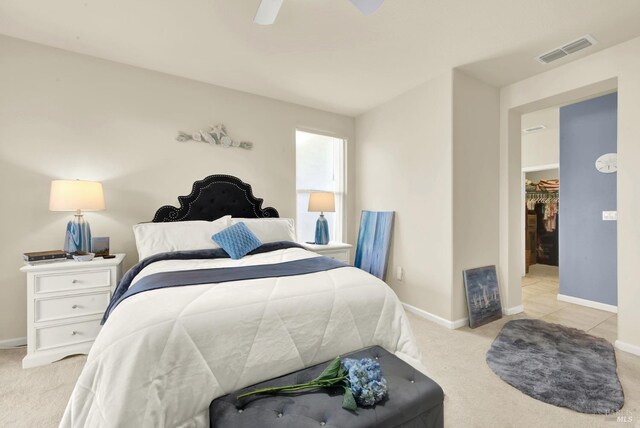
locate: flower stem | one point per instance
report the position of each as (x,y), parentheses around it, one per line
(279,388)
(293,388)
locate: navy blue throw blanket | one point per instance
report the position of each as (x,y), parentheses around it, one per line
(215,275)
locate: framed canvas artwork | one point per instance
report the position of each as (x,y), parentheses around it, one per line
(483,295)
(374,238)
(100,246)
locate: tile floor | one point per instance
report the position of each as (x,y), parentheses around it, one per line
(540,300)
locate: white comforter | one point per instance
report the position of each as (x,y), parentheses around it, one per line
(164,355)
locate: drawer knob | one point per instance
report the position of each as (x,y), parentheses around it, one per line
(75,307)
(75,333)
(74,281)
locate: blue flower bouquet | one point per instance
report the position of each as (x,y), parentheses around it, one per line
(361,380)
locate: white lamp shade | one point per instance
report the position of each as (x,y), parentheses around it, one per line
(73,195)
(322,202)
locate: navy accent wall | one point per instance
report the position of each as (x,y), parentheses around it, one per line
(588,256)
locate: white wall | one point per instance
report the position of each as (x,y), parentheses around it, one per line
(542,147)
(431,155)
(476,143)
(598,73)
(547,174)
(64,115)
(404,164)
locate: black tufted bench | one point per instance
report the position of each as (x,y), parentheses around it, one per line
(413,400)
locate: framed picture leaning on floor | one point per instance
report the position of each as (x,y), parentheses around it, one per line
(374,238)
(483,295)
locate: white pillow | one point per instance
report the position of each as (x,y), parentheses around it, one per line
(270,229)
(154,238)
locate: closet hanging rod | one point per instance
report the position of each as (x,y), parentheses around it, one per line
(542,196)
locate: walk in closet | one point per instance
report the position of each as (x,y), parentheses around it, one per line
(541,239)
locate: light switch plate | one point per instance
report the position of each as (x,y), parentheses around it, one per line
(609,215)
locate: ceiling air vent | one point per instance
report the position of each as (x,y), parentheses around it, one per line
(577,45)
(533,129)
(552,56)
(568,49)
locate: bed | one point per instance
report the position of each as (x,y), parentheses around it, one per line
(164,354)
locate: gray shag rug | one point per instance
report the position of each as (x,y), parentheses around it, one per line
(559,365)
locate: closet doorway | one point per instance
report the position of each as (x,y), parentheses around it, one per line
(541,251)
(542,190)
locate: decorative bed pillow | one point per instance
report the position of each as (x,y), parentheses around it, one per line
(237,240)
(154,238)
(270,229)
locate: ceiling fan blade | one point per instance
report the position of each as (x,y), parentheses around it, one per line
(367,6)
(267,12)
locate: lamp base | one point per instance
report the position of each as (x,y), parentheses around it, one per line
(78,236)
(322,231)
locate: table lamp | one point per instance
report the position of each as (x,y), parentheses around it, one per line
(322,202)
(76,195)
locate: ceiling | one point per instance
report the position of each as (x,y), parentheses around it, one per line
(324,53)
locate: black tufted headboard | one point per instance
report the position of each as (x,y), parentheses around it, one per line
(214,197)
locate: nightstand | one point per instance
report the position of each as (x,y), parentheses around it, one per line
(336,250)
(65,303)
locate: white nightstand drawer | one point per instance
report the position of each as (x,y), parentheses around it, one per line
(335,250)
(68,334)
(71,306)
(72,280)
(339,255)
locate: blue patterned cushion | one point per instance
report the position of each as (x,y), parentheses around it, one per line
(237,240)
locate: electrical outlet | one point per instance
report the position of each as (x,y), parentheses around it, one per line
(609,215)
(399,273)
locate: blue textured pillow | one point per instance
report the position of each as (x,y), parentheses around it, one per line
(237,240)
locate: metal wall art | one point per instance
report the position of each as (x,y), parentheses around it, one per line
(216,136)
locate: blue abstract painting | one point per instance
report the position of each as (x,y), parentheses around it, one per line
(483,295)
(374,237)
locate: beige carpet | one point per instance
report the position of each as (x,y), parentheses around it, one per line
(35,397)
(475,396)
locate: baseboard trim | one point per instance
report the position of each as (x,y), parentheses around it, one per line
(626,347)
(514,310)
(588,303)
(13,343)
(452,325)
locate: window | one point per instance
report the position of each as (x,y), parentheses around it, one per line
(319,167)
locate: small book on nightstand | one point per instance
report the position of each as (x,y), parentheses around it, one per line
(38,257)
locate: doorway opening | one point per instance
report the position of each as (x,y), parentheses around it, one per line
(569,211)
